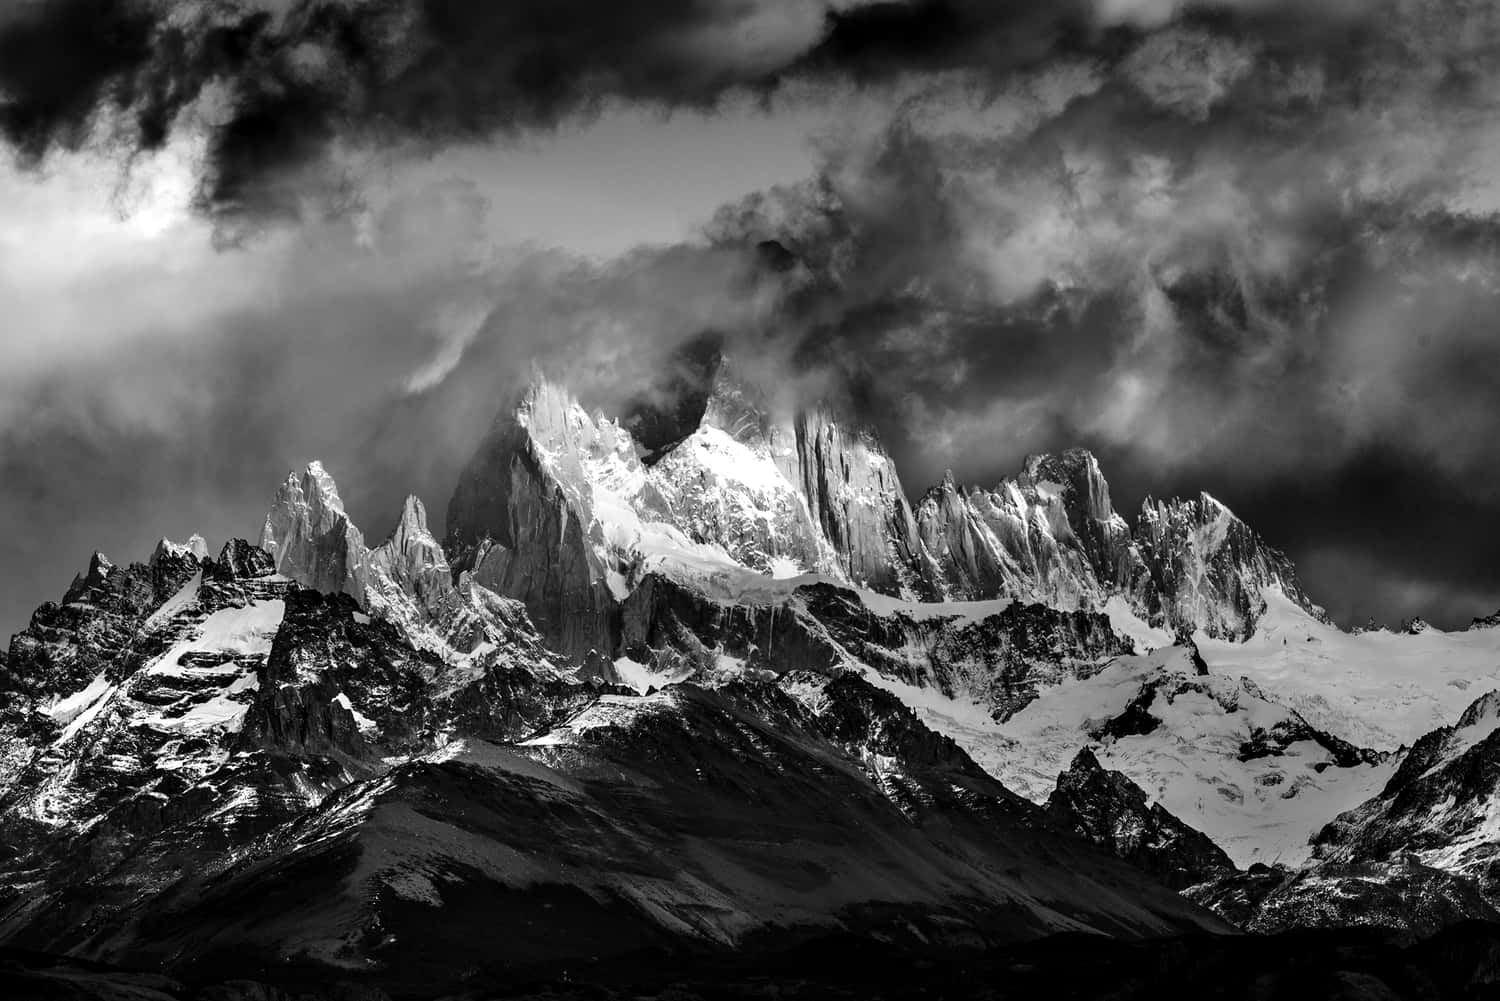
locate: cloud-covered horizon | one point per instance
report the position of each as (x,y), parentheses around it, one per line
(1243,246)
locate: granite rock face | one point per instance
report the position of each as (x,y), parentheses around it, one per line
(406,580)
(309,537)
(851,486)
(239,702)
(568,512)
(1052,535)
(1206,569)
(520,518)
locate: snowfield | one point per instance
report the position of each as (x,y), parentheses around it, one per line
(1379,689)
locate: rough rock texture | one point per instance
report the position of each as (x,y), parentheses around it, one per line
(1207,569)
(563,511)
(567,512)
(310,538)
(850,485)
(1217,752)
(1441,808)
(1113,812)
(130,778)
(1051,534)
(68,643)
(406,580)
(1405,897)
(238,703)
(1001,661)
(522,513)
(1491,621)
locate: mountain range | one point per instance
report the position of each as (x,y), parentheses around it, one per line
(697,683)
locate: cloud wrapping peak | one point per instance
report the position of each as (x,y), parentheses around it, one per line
(1240,245)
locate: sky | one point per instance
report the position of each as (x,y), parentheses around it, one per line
(1241,246)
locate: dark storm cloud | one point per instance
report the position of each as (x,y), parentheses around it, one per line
(280,84)
(338,355)
(1247,246)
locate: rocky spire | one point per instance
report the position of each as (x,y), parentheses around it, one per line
(310,538)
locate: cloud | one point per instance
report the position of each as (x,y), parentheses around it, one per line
(289,95)
(150,385)
(1241,246)
(1239,256)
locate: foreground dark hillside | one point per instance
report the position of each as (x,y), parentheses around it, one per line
(1460,964)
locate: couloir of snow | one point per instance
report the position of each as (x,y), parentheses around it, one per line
(1377,689)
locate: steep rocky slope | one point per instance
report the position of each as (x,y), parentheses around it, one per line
(290,785)
(236,703)
(1114,813)
(1441,808)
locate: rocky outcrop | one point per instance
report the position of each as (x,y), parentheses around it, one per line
(690,820)
(851,487)
(1050,535)
(1402,897)
(1001,661)
(1217,752)
(1439,808)
(521,517)
(567,512)
(1491,621)
(69,643)
(239,703)
(309,537)
(1207,569)
(335,687)
(682,633)
(1113,812)
(406,580)
(562,511)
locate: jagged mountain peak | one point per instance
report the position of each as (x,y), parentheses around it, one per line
(1049,534)
(309,536)
(1073,467)
(92,578)
(196,546)
(1439,806)
(413,520)
(1111,810)
(1490,621)
(1483,711)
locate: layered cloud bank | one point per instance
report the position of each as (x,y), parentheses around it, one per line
(1243,246)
